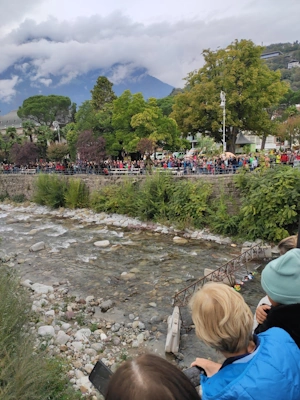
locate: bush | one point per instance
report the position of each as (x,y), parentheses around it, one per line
(114,198)
(189,202)
(77,194)
(50,191)
(24,374)
(271,203)
(220,220)
(153,197)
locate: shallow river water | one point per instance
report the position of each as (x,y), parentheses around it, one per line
(158,267)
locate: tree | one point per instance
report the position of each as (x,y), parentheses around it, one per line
(28,129)
(85,117)
(45,109)
(91,148)
(250,86)
(24,154)
(145,146)
(102,93)
(290,129)
(124,108)
(57,151)
(11,131)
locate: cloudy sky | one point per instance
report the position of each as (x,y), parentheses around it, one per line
(68,37)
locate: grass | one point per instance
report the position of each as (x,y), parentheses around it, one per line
(25,373)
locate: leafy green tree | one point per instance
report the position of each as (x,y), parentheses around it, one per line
(85,117)
(11,131)
(124,108)
(102,93)
(166,104)
(71,135)
(29,129)
(250,87)
(45,109)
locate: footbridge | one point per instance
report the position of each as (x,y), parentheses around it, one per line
(226,273)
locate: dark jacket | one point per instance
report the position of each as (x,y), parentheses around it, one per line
(286,317)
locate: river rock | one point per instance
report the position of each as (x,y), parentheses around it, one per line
(46,331)
(127,276)
(102,243)
(41,289)
(179,240)
(83,334)
(27,283)
(37,246)
(106,305)
(62,338)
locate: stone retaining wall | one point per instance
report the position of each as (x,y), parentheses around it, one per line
(15,185)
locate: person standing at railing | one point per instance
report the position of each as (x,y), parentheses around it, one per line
(256,367)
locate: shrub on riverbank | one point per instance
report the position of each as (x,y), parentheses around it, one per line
(270,203)
(25,373)
(268,209)
(158,198)
(55,192)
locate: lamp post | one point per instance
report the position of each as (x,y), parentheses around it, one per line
(55,125)
(223,105)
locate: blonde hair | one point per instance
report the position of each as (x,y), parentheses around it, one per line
(287,244)
(222,318)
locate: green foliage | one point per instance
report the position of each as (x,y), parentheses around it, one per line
(77,194)
(57,151)
(189,203)
(119,198)
(25,373)
(154,196)
(250,87)
(18,198)
(50,190)
(220,220)
(271,203)
(102,93)
(159,198)
(45,109)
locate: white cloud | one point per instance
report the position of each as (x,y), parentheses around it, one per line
(7,88)
(46,82)
(168,47)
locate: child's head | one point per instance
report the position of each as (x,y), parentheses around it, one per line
(222,318)
(280,278)
(150,377)
(287,244)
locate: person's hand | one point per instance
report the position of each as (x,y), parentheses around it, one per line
(210,367)
(261,314)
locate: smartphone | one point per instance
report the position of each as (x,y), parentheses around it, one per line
(100,377)
(193,374)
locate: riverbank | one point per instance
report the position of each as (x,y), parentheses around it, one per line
(121,334)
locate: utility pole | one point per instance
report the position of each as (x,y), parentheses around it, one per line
(223,105)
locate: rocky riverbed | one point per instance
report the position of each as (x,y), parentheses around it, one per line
(102,285)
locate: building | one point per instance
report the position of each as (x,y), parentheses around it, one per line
(272,54)
(293,64)
(11,119)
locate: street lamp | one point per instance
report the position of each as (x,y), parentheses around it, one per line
(223,105)
(55,125)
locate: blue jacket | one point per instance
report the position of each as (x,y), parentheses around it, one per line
(271,372)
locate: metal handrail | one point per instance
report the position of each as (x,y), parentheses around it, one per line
(226,271)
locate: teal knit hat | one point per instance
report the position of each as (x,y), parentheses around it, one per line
(280,278)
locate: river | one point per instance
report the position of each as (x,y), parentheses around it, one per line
(156,266)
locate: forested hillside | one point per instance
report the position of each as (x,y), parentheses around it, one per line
(290,51)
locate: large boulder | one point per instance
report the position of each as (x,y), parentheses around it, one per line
(38,246)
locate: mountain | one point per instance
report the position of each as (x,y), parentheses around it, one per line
(78,88)
(288,52)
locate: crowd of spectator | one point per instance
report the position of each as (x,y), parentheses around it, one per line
(228,164)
